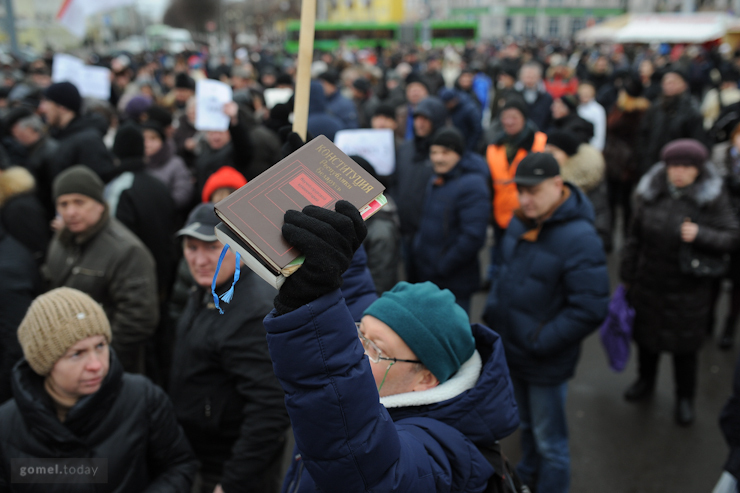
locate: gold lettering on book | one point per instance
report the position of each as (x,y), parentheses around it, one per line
(342,171)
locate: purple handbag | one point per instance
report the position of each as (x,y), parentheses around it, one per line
(616,331)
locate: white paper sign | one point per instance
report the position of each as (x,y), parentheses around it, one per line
(95,83)
(66,68)
(375,145)
(210,98)
(91,81)
(277,96)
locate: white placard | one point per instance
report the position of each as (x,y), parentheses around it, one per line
(66,68)
(277,96)
(90,80)
(95,83)
(375,145)
(210,98)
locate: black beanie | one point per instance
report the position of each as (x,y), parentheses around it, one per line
(563,141)
(184,81)
(365,164)
(129,142)
(385,109)
(160,115)
(415,77)
(79,179)
(64,94)
(153,125)
(450,138)
(570,101)
(516,103)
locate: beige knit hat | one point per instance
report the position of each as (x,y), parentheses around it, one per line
(55,322)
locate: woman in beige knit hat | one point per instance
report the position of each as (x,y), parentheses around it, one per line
(72,400)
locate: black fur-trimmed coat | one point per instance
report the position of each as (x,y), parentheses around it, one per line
(672,309)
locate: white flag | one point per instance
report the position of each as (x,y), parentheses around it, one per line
(73,13)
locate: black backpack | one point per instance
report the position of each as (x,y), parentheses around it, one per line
(505,479)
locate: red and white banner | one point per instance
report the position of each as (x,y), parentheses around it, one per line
(73,13)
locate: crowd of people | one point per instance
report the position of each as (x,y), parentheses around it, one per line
(113,342)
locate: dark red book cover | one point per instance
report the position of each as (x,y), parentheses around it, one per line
(318,173)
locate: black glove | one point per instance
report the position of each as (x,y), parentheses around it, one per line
(291,141)
(328,240)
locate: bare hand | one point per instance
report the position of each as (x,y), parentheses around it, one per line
(57,224)
(190,144)
(689,231)
(231,109)
(218,489)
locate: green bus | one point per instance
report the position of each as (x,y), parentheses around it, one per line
(328,35)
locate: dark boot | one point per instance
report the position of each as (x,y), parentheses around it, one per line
(684,411)
(728,335)
(640,390)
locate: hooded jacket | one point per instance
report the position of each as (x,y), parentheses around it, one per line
(170,169)
(672,308)
(342,108)
(466,117)
(129,421)
(452,228)
(550,293)
(413,168)
(347,440)
(81,142)
(320,121)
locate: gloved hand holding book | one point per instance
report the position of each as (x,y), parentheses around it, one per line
(328,239)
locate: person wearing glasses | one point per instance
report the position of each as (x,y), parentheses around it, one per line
(404,400)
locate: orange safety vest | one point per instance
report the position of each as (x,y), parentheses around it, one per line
(505,194)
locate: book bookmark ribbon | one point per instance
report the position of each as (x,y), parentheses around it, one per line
(228,295)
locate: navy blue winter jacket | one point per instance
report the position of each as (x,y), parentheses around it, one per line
(358,287)
(348,441)
(466,117)
(452,228)
(549,294)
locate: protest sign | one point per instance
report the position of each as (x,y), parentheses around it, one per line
(375,145)
(210,98)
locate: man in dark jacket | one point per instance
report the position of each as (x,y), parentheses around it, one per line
(222,384)
(80,139)
(29,131)
(413,169)
(465,116)
(453,223)
(412,413)
(336,104)
(532,89)
(73,402)
(98,255)
(550,292)
(232,147)
(674,116)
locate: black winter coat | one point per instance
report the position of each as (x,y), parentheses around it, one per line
(672,309)
(20,285)
(622,134)
(227,397)
(81,142)
(129,421)
(664,122)
(144,205)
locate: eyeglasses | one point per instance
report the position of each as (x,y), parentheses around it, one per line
(373,352)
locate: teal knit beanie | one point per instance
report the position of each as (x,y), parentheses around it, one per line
(427,319)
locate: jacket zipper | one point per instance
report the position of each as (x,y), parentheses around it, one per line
(296,482)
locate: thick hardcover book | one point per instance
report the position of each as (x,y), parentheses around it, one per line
(319,174)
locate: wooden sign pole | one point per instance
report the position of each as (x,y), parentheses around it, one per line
(303,73)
